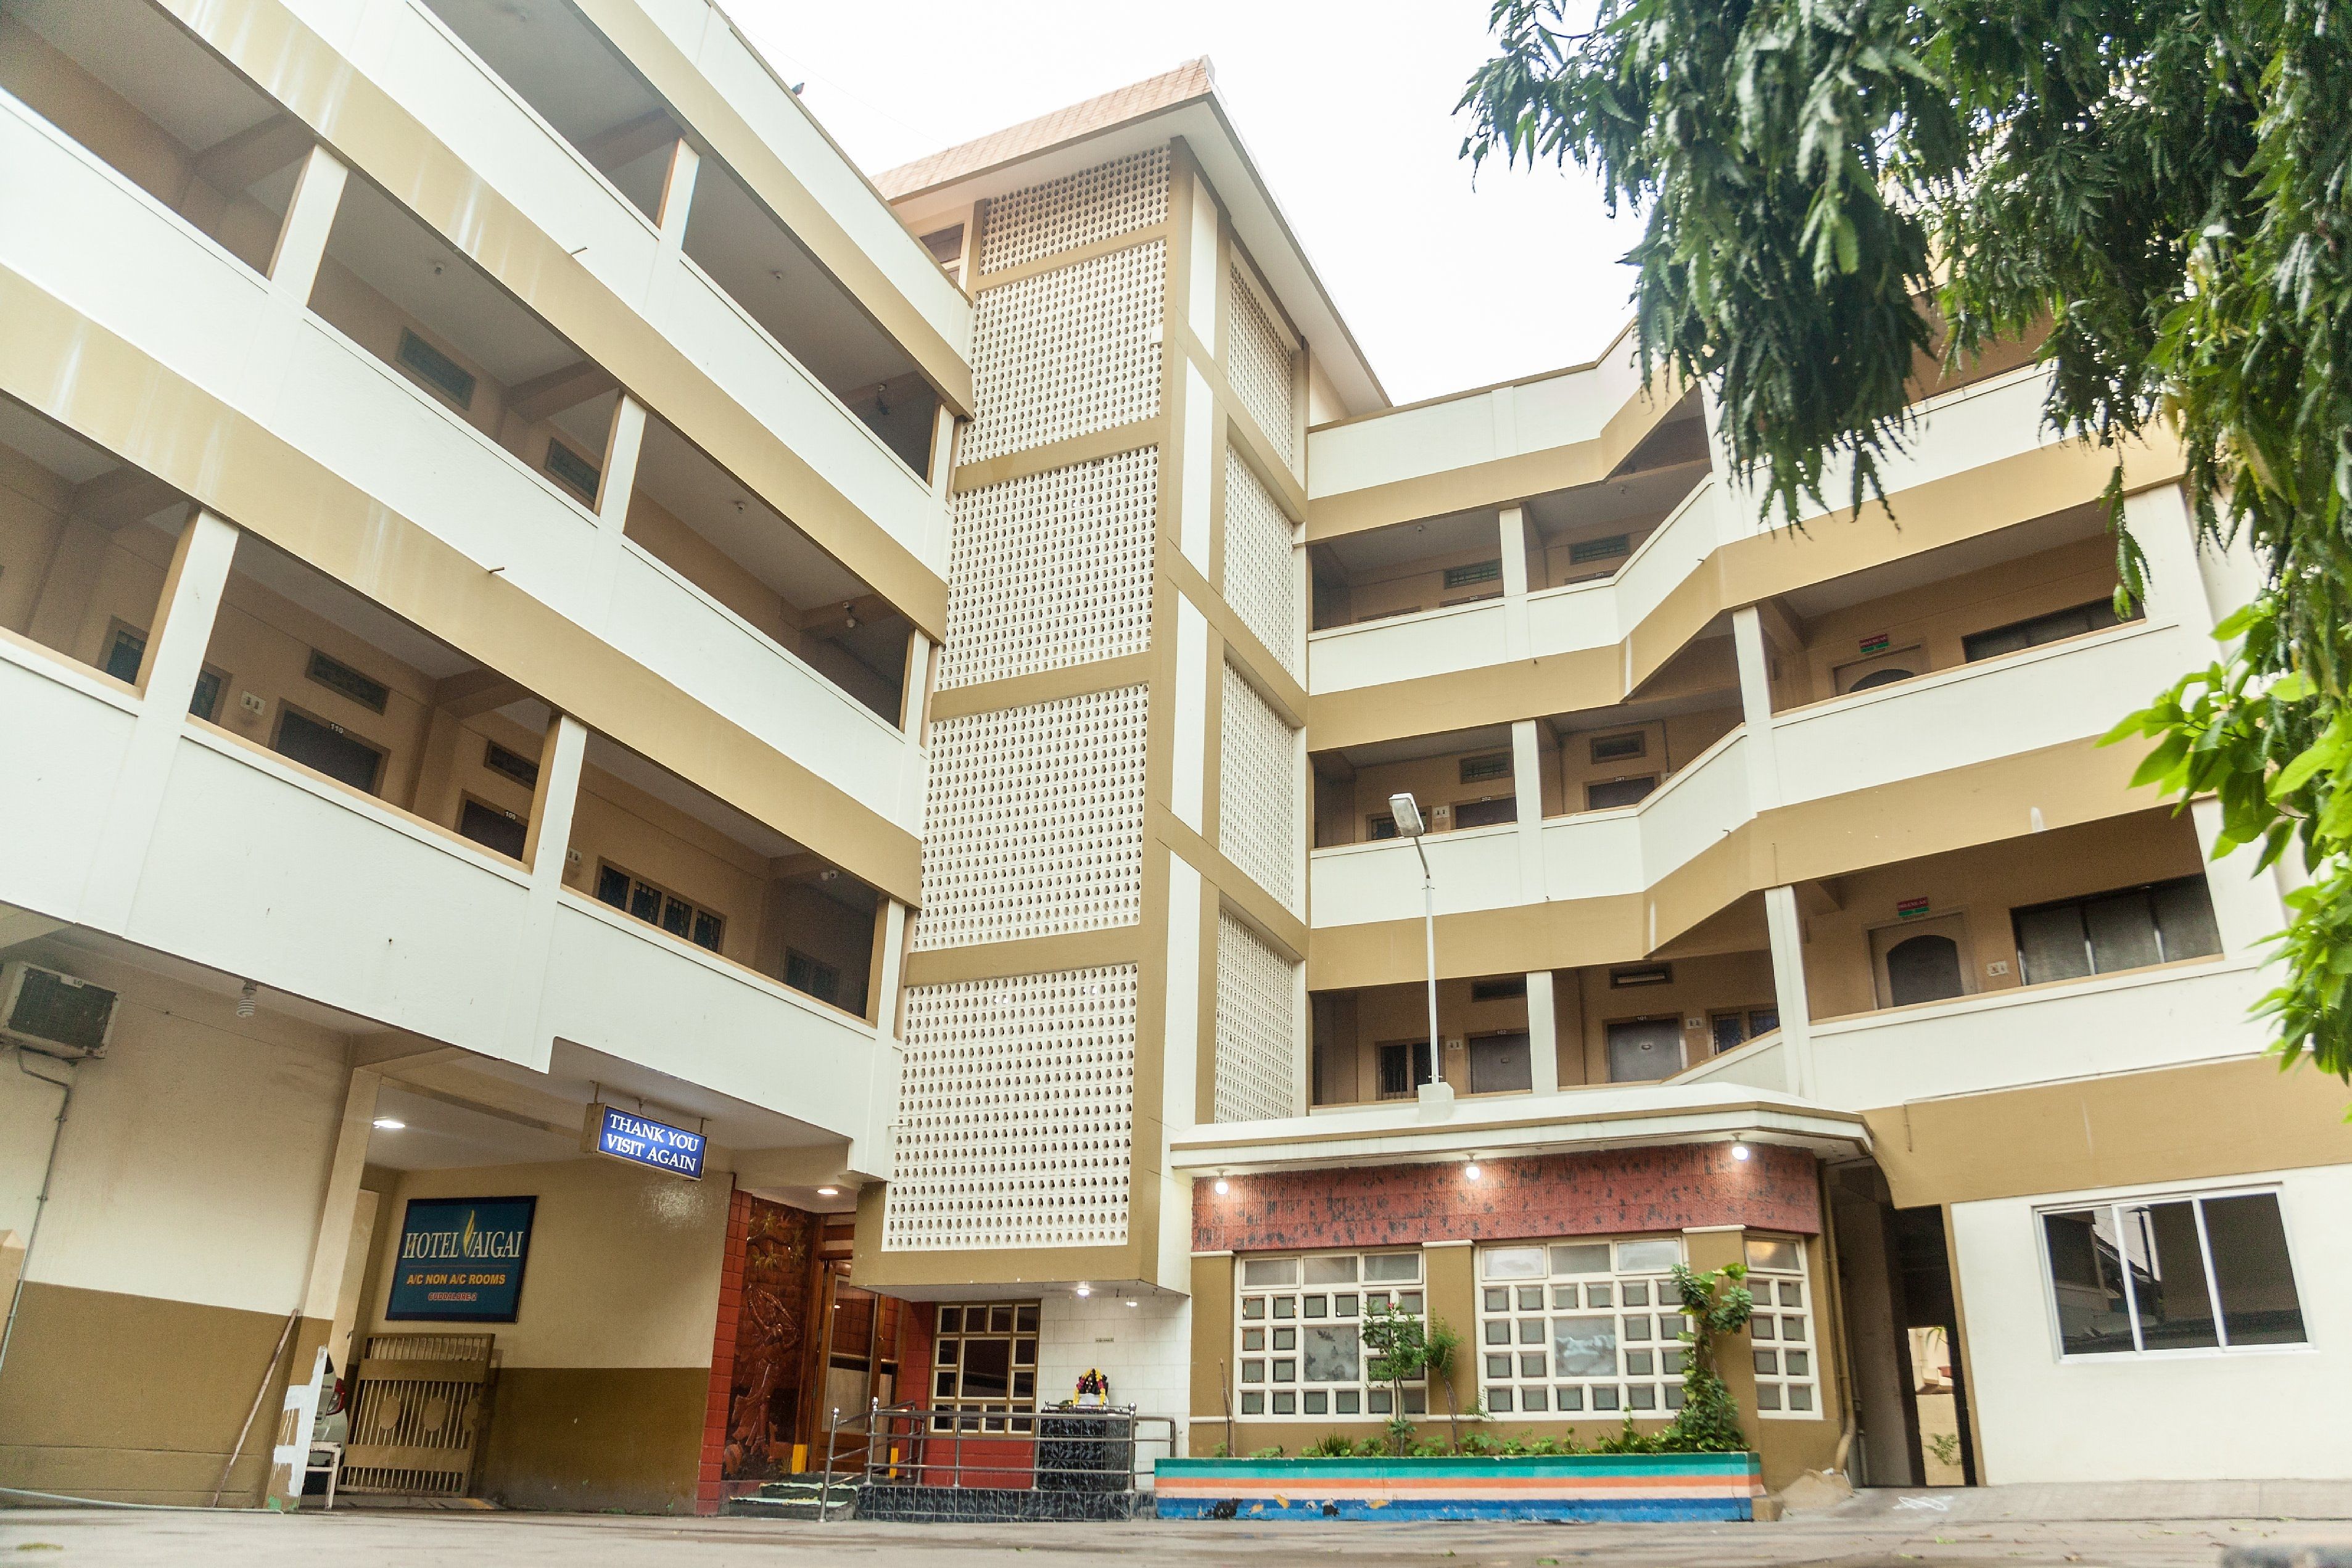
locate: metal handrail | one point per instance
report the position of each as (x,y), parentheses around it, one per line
(955,1426)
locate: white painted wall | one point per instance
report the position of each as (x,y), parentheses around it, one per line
(1145,1349)
(2275,1413)
(195,1154)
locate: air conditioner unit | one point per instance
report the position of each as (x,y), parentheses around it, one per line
(55,1014)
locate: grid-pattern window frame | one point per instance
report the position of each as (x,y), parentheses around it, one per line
(1282,1299)
(1781,1331)
(984,1367)
(1584,1328)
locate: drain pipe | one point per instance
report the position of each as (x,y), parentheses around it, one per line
(40,1204)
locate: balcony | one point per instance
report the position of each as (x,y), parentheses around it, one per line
(97,241)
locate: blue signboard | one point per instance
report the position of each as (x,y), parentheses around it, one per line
(461,1260)
(642,1141)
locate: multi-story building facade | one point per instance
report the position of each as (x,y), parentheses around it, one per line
(531,592)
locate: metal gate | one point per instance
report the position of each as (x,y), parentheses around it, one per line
(417,1413)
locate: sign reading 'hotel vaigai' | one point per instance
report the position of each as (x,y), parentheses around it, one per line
(461,1260)
(639,1140)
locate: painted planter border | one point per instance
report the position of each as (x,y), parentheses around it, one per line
(1583,1487)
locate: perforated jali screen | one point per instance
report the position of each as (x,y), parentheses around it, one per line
(1033,822)
(1050,570)
(1015,1118)
(1260,354)
(1098,203)
(1261,576)
(1066,353)
(1258,1070)
(1260,809)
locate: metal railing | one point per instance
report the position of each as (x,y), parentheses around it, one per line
(1069,1449)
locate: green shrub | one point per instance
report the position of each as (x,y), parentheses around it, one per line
(1330,1446)
(1273,1453)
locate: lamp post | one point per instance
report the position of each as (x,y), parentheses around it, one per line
(1406,813)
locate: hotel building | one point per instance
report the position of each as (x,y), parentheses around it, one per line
(536,600)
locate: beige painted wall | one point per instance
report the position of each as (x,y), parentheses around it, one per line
(1981,886)
(624,1264)
(1587,1004)
(1936,616)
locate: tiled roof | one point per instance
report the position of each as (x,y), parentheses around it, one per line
(1190,80)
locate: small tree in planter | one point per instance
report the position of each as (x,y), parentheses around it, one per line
(1718,1303)
(1397,1349)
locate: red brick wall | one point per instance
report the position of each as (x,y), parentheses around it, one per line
(708,1488)
(1611,1192)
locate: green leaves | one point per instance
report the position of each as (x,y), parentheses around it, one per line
(2160,189)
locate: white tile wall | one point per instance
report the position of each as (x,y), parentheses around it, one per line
(1145,1349)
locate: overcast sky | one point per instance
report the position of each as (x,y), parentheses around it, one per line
(1349,112)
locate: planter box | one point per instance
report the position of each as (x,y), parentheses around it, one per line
(1580,1486)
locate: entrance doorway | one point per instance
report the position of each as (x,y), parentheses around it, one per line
(1943,1448)
(1921,960)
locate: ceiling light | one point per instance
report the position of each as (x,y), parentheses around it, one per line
(245,999)
(828,1192)
(1133,1302)
(1223,1186)
(1470,1171)
(1740,1151)
(1086,1289)
(389,1124)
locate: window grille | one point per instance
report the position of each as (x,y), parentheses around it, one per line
(1258,1070)
(1085,208)
(1260,814)
(1261,364)
(436,370)
(1066,353)
(1261,575)
(1298,1333)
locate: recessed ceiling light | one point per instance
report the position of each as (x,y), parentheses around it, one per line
(389,1124)
(1086,1289)
(1133,1302)
(828,1192)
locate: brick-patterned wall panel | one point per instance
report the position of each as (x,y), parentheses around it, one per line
(1610,1193)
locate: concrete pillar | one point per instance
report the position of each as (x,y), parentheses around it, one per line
(2246,905)
(1543,1033)
(1526,791)
(677,200)
(309,218)
(1786,931)
(175,657)
(1756,708)
(1517,638)
(544,852)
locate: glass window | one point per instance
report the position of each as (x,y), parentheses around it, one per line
(1781,1328)
(2161,923)
(984,1356)
(1318,1365)
(2172,1274)
(1557,1343)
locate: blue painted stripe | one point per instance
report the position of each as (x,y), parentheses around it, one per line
(1662,1510)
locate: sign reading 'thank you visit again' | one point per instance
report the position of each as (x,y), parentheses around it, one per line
(641,1141)
(461,1260)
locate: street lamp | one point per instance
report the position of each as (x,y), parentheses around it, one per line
(1405,812)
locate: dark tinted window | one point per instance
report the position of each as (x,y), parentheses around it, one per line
(329,748)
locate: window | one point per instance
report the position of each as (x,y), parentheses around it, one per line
(806,976)
(946,245)
(1381,827)
(436,370)
(574,472)
(2127,929)
(1781,1329)
(1882,668)
(328,747)
(1476,573)
(1577,1327)
(1500,988)
(2097,616)
(127,649)
(1607,547)
(1642,1050)
(1618,748)
(1404,1068)
(342,680)
(1734,1028)
(493,828)
(657,906)
(1633,976)
(1299,1332)
(1618,791)
(513,765)
(1492,765)
(1499,1064)
(2172,1274)
(1485,813)
(984,1367)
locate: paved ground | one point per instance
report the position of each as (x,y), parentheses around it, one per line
(1876,1530)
